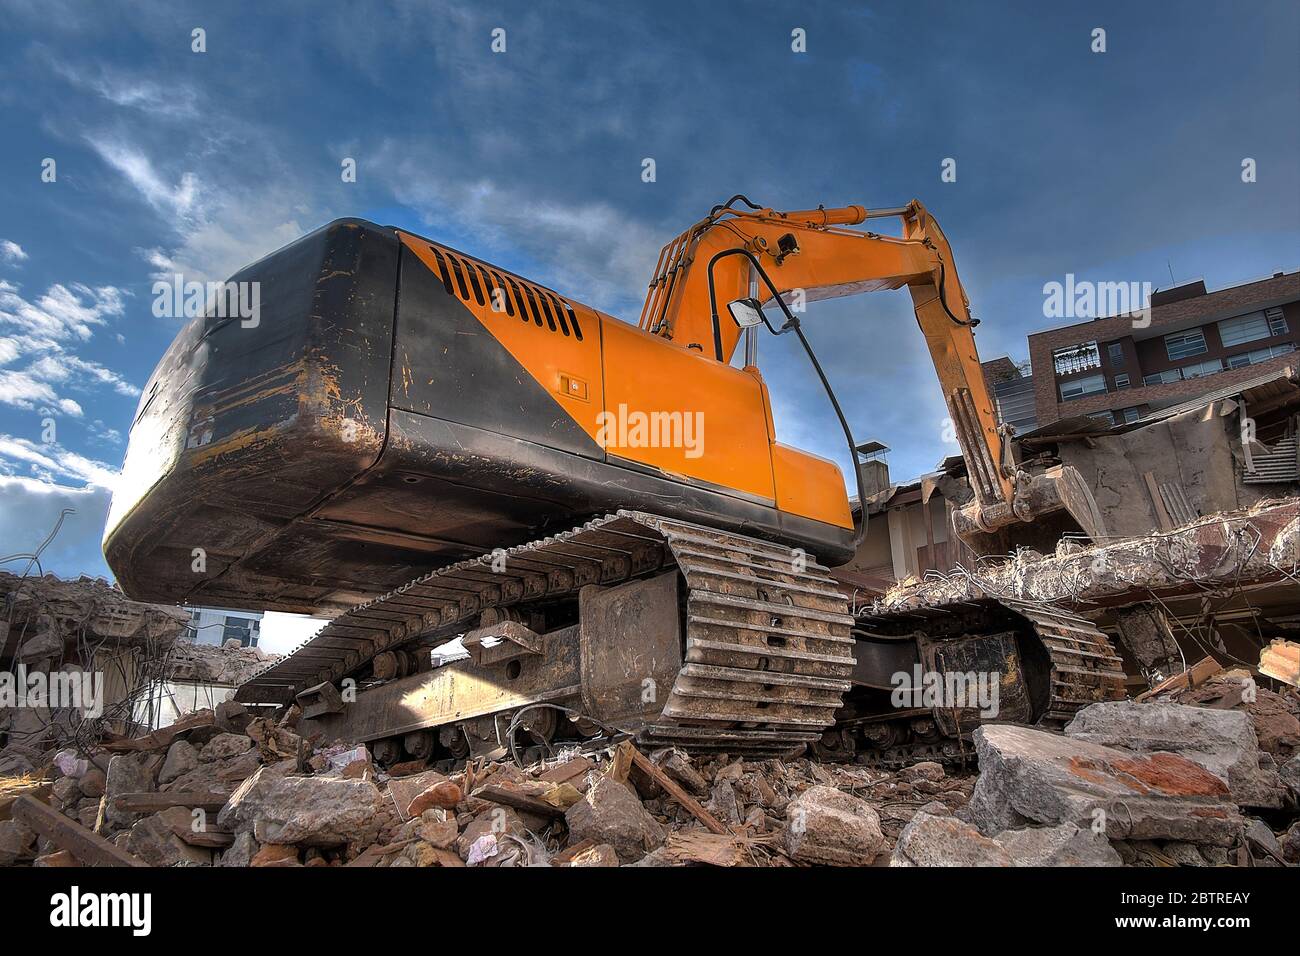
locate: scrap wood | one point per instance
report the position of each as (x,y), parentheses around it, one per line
(209,801)
(163,737)
(565,772)
(665,782)
(518,801)
(208,838)
(1281,661)
(714,849)
(373,854)
(90,848)
(11,788)
(1194,676)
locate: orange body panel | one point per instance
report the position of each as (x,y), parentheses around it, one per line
(644,398)
(568,367)
(810,486)
(645,374)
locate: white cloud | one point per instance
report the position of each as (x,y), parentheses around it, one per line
(11,252)
(22,390)
(62,316)
(593,250)
(61,313)
(29,510)
(173,100)
(52,463)
(61,369)
(176,200)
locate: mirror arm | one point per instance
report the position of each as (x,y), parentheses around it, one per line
(792,325)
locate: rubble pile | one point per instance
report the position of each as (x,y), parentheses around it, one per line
(1259,543)
(230,663)
(1126,783)
(56,632)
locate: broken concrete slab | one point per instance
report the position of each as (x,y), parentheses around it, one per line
(153,840)
(1289,773)
(945,841)
(1221,741)
(315,811)
(828,826)
(936,840)
(225,746)
(239,853)
(127,773)
(181,759)
(1064,845)
(1031,776)
(609,813)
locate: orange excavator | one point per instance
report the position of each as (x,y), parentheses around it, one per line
(429,447)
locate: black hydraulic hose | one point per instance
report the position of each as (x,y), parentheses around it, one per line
(727,205)
(792,324)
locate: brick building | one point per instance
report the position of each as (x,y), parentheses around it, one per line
(1197,341)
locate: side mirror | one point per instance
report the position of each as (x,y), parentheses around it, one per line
(747,312)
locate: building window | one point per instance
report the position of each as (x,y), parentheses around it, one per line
(1162,378)
(1079,387)
(238,629)
(1076,358)
(1121,380)
(1129,415)
(1256,356)
(1243,329)
(1276,322)
(1201,369)
(1116,351)
(1106,417)
(1181,345)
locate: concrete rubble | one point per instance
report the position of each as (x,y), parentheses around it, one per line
(1200,769)
(1188,785)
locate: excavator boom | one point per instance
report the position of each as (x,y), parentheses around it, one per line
(809,254)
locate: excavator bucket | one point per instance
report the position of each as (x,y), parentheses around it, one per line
(1046,507)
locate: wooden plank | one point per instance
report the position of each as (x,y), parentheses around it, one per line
(208,839)
(517,800)
(1166,523)
(1194,676)
(210,801)
(164,737)
(565,772)
(667,783)
(90,848)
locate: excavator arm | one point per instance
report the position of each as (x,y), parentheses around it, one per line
(810,255)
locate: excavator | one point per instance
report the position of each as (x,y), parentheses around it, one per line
(424,447)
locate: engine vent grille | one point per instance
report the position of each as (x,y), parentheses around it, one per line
(477,282)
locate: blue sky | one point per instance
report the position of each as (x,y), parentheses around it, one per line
(1114,166)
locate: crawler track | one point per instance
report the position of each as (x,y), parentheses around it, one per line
(767,645)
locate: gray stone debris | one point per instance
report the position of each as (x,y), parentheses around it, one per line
(181,759)
(609,813)
(127,773)
(313,811)
(931,840)
(1032,776)
(825,825)
(1221,741)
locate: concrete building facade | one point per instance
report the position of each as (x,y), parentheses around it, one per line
(1119,368)
(216,626)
